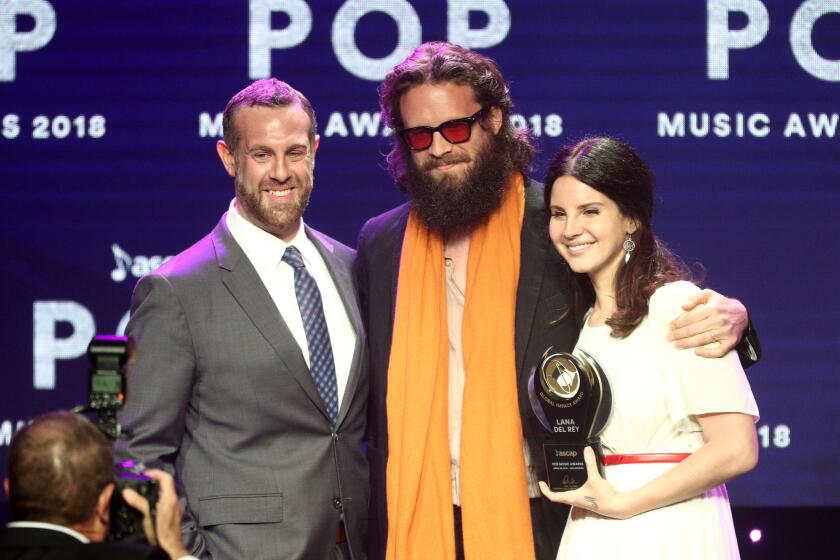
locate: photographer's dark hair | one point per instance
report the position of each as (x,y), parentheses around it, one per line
(57,467)
(436,63)
(614,169)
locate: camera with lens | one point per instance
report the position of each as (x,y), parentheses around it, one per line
(108,355)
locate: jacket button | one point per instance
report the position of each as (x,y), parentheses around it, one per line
(337,503)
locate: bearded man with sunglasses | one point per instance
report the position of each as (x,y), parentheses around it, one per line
(461,295)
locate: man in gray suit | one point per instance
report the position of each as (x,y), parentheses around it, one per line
(250,381)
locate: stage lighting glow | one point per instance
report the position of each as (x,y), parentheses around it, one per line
(755,535)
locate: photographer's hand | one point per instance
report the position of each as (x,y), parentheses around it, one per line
(168,515)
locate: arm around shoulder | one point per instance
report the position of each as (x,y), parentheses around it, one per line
(713,325)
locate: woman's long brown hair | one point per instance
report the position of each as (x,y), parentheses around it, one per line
(616,170)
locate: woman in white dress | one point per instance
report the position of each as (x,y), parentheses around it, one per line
(681,425)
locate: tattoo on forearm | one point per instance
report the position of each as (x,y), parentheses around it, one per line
(593,504)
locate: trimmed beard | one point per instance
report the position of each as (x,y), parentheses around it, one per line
(275,221)
(453,208)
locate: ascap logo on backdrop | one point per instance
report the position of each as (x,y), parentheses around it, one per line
(137,266)
(263,39)
(721,39)
(48,347)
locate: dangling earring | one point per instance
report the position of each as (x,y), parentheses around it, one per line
(629,247)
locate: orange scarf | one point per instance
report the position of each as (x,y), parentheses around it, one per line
(494,497)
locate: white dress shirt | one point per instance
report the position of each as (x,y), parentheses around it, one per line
(265,251)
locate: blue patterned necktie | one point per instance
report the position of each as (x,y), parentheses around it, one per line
(321,363)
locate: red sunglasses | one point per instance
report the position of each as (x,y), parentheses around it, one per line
(455,131)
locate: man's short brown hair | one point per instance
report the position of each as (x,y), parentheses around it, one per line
(57,467)
(268,92)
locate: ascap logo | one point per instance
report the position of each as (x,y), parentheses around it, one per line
(558,453)
(138,265)
(49,347)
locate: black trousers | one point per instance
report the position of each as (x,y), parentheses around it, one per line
(459,534)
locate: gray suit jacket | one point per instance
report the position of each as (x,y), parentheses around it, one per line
(221,395)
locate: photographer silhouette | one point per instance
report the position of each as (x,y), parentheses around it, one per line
(60,484)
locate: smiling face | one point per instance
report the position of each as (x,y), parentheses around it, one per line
(272,167)
(588,230)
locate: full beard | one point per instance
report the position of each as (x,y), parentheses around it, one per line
(275,219)
(451,206)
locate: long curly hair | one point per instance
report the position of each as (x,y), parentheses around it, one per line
(439,62)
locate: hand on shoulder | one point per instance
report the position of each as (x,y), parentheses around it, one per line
(705,320)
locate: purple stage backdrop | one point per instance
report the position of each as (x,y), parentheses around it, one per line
(109,111)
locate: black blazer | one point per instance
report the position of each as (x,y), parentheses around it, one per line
(543,319)
(21,543)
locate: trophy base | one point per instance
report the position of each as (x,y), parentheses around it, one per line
(565,468)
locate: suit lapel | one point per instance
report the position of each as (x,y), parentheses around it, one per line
(534,243)
(244,284)
(341,274)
